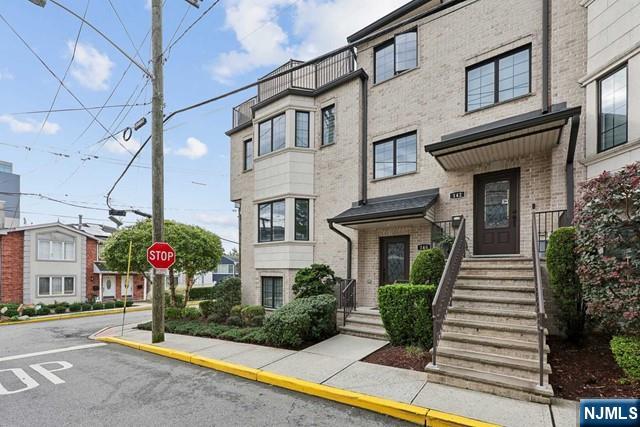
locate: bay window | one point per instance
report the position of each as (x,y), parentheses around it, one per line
(271,221)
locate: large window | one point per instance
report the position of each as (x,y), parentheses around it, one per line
(612,110)
(271,134)
(56,286)
(395,156)
(302,129)
(499,79)
(302,219)
(248,155)
(329,125)
(272,292)
(395,56)
(50,249)
(271,221)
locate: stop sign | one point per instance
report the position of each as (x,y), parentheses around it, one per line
(161,255)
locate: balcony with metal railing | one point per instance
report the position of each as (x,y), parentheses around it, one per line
(298,75)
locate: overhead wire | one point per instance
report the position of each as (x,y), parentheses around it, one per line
(67,110)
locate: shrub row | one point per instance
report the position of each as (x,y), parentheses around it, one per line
(201,293)
(406,313)
(212,330)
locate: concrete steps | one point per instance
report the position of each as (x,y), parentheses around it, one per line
(365,323)
(524,318)
(501,330)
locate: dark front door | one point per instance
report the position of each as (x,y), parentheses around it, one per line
(394,259)
(496,212)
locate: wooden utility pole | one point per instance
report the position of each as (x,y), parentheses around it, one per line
(157,164)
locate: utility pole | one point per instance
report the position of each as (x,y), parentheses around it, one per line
(157,164)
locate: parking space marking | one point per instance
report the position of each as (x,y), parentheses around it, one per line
(57,350)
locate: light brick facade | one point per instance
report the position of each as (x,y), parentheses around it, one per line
(430,100)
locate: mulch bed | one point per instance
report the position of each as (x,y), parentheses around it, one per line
(399,357)
(587,370)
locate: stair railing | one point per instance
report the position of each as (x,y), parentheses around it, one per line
(540,313)
(444,294)
(347,298)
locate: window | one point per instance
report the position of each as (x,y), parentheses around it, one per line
(612,114)
(56,250)
(395,156)
(329,125)
(499,79)
(225,269)
(271,221)
(248,155)
(272,292)
(56,286)
(302,129)
(302,219)
(398,55)
(100,251)
(271,134)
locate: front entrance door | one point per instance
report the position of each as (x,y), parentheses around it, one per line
(394,259)
(496,212)
(108,287)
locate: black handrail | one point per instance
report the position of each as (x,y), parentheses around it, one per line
(442,299)
(546,223)
(347,298)
(540,313)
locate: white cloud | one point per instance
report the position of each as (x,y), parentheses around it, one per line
(29,126)
(147,4)
(318,26)
(226,219)
(121,146)
(5,74)
(193,149)
(91,68)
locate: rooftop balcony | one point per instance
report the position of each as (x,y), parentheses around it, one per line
(304,76)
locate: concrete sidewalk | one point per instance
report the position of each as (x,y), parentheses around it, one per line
(336,362)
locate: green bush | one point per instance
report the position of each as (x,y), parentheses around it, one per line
(60,309)
(129,303)
(201,293)
(98,306)
(626,352)
(52,306)
(428,267)
(318,279)
(228,291)
(302,320)
(256,336)
(562,263)
(234,321)
(12,310)
(75,307)
(29,311)
(63,304)
(173,313)
(86,306)
(236,310)
(179,300)
(215,310)
(109,304)
(43,311)
(406,313)
(119,304)
(190,313)
(253,315)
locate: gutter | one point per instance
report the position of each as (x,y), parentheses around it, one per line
(349,246)
(569,169)
(363,137)
(545,56)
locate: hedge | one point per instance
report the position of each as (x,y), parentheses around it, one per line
(212,330)
(626,352)
(75,307)
(428,267)
(562,263)
(406,313)
(201,293)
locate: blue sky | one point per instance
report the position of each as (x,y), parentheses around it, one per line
(237,41)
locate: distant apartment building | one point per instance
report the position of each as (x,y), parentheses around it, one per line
(9,196)
(612,83)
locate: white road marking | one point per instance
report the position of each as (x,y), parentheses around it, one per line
(28,382)
(47,373)
(57,350)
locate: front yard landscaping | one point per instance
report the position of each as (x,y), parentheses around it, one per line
(11,312)
(410,357)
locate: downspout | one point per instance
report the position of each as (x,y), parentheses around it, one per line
(545,56)
(573,139)
(239,205)
(364,101)
(348,239)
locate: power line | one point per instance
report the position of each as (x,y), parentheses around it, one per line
(168,49)
(51,199)
(67,110)
(124,27)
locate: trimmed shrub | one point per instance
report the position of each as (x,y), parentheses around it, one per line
(626,352)
(318,279)
(98,306)
(75,307)
(29,311)
(60,309)
(428,267)
(52,306)
(190,313)
(206,307)
(236,310)
(214,310)
(179,300)
(129,303)
(406,313)
(63,304)
(109,304)
(86,306)
(119,304)
(256,336)
(562,263)
(234,321)
(253,315)
(173,313)
(302,320)
(43,311)
(201,293)
(228,291)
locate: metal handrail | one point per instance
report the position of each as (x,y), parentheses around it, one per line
(444,294)
(547,222)
(540,313)
(348,299)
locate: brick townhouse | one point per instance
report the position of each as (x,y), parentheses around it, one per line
(443,119)
(57,262)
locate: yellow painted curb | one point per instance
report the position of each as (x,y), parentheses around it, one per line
(412,413)
(75,316)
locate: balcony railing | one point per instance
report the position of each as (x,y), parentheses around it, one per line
(312,75)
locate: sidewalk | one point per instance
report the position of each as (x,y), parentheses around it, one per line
(336,363)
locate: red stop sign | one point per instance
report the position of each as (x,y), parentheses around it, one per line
(161,255)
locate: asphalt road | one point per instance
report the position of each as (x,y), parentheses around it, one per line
(117,386)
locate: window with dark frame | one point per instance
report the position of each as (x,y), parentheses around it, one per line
(395,156)
(329,125)
(271,218)
(271,134)
(272,292)
(302,129)
(248,155)
(395,56)
(302,219)
(499,79)
(612,109)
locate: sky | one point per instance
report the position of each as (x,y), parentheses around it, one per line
(73,158)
